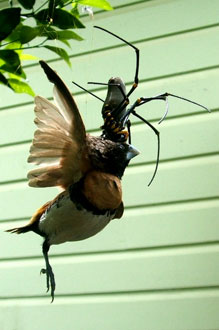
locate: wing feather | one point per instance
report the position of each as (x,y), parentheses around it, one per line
(59,139)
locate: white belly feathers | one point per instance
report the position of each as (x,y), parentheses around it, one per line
(63,222)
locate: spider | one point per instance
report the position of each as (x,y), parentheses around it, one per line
(116,109)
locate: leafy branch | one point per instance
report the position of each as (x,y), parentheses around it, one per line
(20,25)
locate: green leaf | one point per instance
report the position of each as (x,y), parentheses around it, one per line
(61,18)
(42,16)
(11,62)
(20,87)
(48,32)
(3,80)
(65,20)
(51,8)
(27,4)
(61,3)
(103,4)
(15,34)
(9,19)
(19,71)
(14,76)
(28,33)
(61,52)
(13,45)
(65,42)
(75,10)
(24,33)
(67,35)
(28,57)
(10,57)
(64,35)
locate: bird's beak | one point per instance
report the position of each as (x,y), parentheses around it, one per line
(132,152)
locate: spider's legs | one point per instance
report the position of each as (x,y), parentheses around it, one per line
(125,121)
(158,142)
(164,97)
(84,89)
(129,130)
(135,84)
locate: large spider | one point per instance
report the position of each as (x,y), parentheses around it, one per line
(115,109)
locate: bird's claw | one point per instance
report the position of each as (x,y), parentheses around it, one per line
(43,271)
(50,280)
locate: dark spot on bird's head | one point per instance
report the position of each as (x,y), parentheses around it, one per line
(119,156)
(109,156)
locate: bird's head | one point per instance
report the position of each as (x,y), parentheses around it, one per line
(109,156)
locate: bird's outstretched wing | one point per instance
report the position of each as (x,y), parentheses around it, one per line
(59,139)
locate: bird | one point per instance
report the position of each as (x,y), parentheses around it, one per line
(88,169)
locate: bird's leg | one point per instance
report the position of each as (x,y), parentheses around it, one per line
(50,278)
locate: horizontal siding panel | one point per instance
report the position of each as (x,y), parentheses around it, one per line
(115,272)
(175,181)
(180,137)
(196,310)
(158,267)
(14,164)
(25,199)
(184,179)
(149,227)
(169,13)
(199,43)
(89,68)
(19,121)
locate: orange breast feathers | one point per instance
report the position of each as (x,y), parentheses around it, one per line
(103,190)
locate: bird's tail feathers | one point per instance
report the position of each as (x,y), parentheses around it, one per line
(18,230)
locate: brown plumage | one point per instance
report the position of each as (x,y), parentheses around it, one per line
(88,168)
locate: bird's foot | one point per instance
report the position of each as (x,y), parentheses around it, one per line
(50,280)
